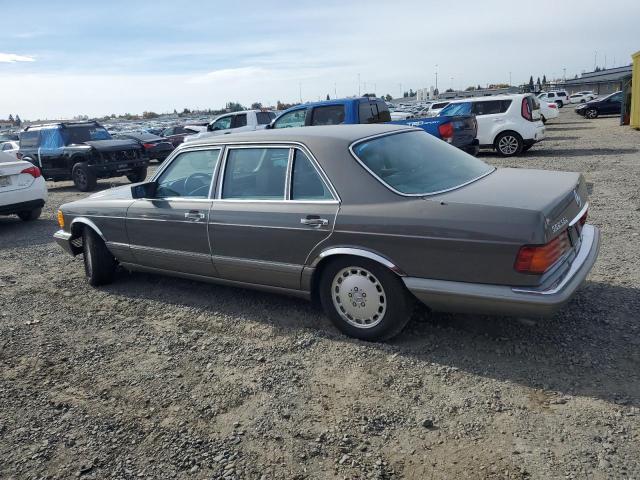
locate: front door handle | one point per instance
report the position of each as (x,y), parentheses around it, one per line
(314,221)
(194,215)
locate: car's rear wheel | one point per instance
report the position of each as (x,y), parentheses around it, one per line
(363,299)
(508,144)
(138,175)
(29,215)
(559,103)
(83,178)
(591,113)
(543,118)
(99,264)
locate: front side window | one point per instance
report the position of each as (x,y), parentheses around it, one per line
(416,163)
(491,107)
(189,175)
(84,133)
(296,118)
(616,98)
(306,182)
(265,118)
(255,173)
(222,123)
(329,115)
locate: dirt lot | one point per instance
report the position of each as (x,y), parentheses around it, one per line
(154,377)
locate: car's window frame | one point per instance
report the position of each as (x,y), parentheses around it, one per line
(291,112)
(167,164)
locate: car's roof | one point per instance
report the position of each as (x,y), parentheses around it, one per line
(488,98)
(305,135)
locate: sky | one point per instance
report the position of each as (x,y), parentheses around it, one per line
(61,59)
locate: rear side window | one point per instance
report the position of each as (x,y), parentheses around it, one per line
(439,105)
(50,138)
(255,173)
(491,107)
(240,120)
(463,108)
(307,183)
(562,94)
(265,117)
(374,112)
(329,115)
(296,118)
(29,139)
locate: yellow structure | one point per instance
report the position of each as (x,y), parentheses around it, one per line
(635,92)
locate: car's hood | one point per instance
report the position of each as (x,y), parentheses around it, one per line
(113,145)
(553,197)
(116,193)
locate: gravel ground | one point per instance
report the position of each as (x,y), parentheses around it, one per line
(154,377)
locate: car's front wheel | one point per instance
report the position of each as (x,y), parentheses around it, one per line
(83,178)
(29,215)
(138,175)
(99,264)
(591,113)
(559,103)
(364,299)
(508,144)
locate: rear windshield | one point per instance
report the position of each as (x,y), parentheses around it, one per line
(83,134)
(439,105)
(416,163)
(144,136)
(463,108)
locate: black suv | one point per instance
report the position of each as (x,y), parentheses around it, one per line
(82,152)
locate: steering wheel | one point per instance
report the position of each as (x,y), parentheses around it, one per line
(195,182)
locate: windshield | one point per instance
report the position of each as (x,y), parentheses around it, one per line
(416,163)
(84,133)
(456,109)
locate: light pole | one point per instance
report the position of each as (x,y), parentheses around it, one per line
(358,84)
(437,77)
(509,78)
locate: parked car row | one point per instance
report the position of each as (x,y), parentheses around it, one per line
(609,105)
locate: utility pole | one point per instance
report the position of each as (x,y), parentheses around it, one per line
(605,61)
(400,90)
(358,84)
(564,74)
(335,95)
(509,78)
(436,76)
(595,61)
(300,90)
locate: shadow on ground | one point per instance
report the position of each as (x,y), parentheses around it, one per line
(579,152)
(580,351)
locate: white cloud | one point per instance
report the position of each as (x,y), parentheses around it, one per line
(12,58)
(230,75)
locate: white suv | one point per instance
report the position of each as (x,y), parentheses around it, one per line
(23,190)
(559,97)
(510,124)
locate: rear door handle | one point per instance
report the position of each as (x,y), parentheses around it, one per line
(194,215)
(313,221)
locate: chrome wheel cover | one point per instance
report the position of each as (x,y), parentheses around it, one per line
(358,297)
(508,144)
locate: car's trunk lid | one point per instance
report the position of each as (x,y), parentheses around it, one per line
(10,177)
(559,197)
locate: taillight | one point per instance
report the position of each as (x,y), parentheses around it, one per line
(33,171)
(446,131)
(552,105)
(537,259)
(526,110)
(148,145)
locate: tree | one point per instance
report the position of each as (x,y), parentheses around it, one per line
(478,87)
(18,122)
(470,88)
(11,118)
(234,107)
(328,97)
(531,83)
(544,79)
(449,90)
(436,92)
(256,106)
(175,112)
(538,82)
(412,93)
(388,97)
(186,111)
(148,115)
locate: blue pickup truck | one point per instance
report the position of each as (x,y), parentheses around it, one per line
(458,130)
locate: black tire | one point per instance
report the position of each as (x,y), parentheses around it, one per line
(391,304)
(99,264)
(542,117)
(559,103)
(138,175)
(526,148)
(591,113)
(29,215)
(83,178)
(508,144)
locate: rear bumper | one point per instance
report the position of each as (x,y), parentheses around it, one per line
(117,169)
(63,239)
(21,206)
(442,295)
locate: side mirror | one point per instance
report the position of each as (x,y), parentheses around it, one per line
(144,190)
(210,127)
(269,126)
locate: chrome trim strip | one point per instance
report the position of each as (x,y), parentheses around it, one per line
(577,218)
(117,244)
(250,262)
(167,251)
(86,221)
(430,194)
(279,202)
(588,237)
(288,177)
(244,225)
(358,252)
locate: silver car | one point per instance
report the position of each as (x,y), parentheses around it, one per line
(365,219)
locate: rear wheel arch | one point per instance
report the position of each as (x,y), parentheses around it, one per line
(505,133)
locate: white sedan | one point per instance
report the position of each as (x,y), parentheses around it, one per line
(548,110)
(23,190)
(11,148)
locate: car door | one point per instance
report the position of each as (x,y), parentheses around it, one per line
(273,206)
(612,105)
(168,231)
(489,120)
